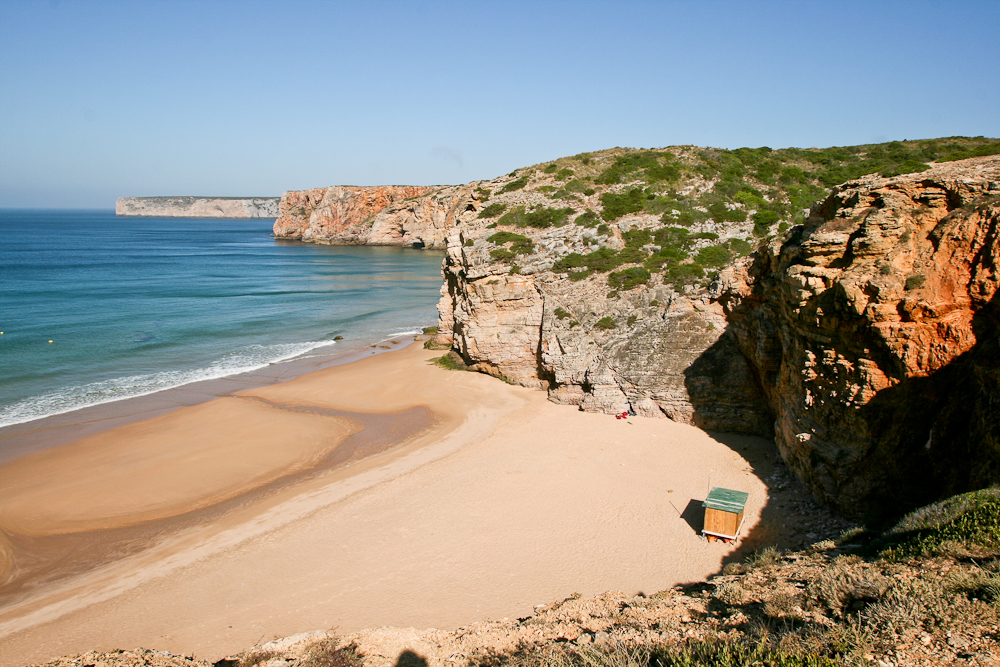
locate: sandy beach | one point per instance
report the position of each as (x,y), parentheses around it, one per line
(384,492)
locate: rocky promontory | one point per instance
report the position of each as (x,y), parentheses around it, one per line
(197,207)
(873,332)
(417,216)
(860,333)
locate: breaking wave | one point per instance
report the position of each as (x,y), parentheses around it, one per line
(71,398)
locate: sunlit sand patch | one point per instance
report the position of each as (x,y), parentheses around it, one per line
(188,459)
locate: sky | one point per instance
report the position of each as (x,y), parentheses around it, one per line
(102,99)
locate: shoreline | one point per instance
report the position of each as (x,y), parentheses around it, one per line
(18,440)
(507,501)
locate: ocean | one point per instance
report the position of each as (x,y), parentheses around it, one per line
(95,308)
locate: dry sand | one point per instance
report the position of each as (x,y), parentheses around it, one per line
(506,501)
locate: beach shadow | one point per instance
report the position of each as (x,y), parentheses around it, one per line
(410,659)
(694,515)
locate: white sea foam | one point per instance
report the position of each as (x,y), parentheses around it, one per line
(72,398)
(408,332)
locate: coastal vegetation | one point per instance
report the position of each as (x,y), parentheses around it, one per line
(728,201)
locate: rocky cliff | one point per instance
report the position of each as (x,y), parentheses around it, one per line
(382,215)
(861,338)
(873,331)
(197,207)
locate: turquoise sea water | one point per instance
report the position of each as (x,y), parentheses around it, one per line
(138,305)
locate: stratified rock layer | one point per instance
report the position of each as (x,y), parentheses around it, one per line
(382,215)
(866,341)
(197,207)
(873,330)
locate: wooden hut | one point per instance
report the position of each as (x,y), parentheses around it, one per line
(724,514)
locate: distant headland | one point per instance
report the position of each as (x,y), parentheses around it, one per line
(197,207)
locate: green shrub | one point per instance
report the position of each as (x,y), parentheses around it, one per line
(469,243)
(636,238)
(626,165)
(550,168)
(493,210)
(739,247)
(601,260)
(617,205)
(576,185)
(665,255)
(971,519)
(847,584)
(566,195)
(915,281)
(680,274)
(721,213)
(520,245)
(452,361)
(714,256)
(587,219)
(605,323)
(979,151)
(502,254)
(628,278)
(666,236)
(539,218)
(546,188)
(515,184)
(578,275)
(563,174)
(561,313)
(750,197)
(910,166)
(762,221)
(574,260)
(686,218)
(603,229)
(668,172)
(632,319)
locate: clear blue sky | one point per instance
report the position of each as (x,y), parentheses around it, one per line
(106,99)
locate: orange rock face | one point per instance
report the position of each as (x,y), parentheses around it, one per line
(874,333)
(379,215)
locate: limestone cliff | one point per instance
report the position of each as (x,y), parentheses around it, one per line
(863,339)
(197,207)
(382,215)
(873,330)
(543,306)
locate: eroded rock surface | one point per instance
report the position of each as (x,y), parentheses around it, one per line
(417,216)
(874,332)
(865,341)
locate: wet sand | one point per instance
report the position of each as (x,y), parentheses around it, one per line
(499,502)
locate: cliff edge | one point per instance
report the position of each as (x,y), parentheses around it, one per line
(873,332)
(197,207)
